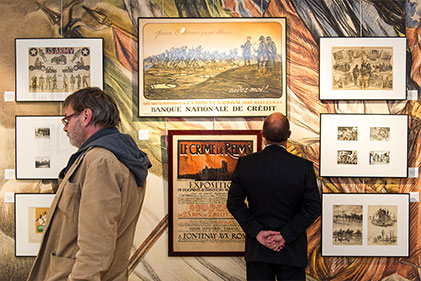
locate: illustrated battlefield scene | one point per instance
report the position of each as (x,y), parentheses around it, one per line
(382,225)
(379,133)
(347,224)
(243,66)
(347,133)
(347,157)
(63,69)
(362,68)
(379,157)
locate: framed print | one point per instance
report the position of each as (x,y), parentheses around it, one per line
(362,68)
(42,147)
(365,224)
(51,69)
(200,166)
(212,66)
(363,145)
(31,212)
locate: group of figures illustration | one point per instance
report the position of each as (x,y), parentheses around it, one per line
(376,157)
(183,72)
(357,68)
(58,69)
(380,229)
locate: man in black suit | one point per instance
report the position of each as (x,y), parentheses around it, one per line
(283,200)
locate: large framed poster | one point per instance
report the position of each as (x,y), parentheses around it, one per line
(199,172)
(42,147)
(363,145)
(51,69)
(362,68)
(31,210)
(212,66)
(365,224)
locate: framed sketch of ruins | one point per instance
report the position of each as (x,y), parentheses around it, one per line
(31,212)
(200,166)
(355,224)
(362,68)
(363,145)
(51,69)
(42,147)
(212,66)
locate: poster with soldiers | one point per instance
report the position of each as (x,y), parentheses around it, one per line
(365,224)
(363,145)
(362,68)
(212,67)
(31,211)
(51,69)
(201,164)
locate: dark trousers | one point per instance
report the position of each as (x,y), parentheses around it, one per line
(268,271)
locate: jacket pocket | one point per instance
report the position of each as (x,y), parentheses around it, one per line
(59,268)
(69,199)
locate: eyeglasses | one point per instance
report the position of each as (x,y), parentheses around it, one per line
(66,119)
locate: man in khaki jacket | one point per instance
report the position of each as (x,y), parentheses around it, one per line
(92,220)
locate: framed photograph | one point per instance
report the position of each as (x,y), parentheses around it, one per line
(362,68)
(42,147)
(200,166)
(31,212)
(212,66)
(51,69)
(365,224)
(363,145)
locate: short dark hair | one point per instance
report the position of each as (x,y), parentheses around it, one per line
(276,127)
(103,106)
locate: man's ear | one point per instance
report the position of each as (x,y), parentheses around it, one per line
(289,134)
(86,117)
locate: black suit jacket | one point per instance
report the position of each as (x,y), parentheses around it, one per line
(282,195)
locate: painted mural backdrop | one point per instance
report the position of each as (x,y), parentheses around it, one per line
(307,21)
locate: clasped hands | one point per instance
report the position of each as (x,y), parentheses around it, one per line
(271,239)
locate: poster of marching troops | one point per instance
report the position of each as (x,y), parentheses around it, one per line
(212,67)
(200,170)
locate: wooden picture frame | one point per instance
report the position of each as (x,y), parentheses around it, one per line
(200,167)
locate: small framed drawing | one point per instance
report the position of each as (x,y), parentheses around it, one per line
(201,67)
(200,166)
(363,145)
(356,224)
(31,212)
(51,69)
(42,147)
(362,68)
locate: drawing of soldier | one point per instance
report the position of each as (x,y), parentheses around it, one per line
(48,81)
(34,82)
(261,54)
(85,81)
(72,82)
(41,82)
(54,80)
(247,51)
(271,53)
(78,81)
(65,82)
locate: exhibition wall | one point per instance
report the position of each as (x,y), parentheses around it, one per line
(307,24)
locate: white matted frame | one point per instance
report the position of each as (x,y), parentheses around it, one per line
(31,212)
(363,145)
(356,224)
(51,69)
(42,147)
(362,68)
